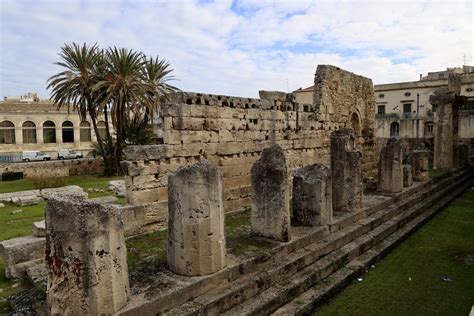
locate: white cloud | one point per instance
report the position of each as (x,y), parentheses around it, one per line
(240,47)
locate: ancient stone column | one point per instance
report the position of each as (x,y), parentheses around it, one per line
(345,172)
(270,202)
(464,160)
(419,163)
(312,196)
(390,167)
(447,100)
(407,176)
(86,258)
(196,242)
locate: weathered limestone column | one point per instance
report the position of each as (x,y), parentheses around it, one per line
(419,163)
(407,176)
(270,202)
(390,167)
(86,258)
(196,242)
(312,196)
(464,157)
(345,171)
(447,100)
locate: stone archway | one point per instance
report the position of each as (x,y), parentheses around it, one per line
(355,123)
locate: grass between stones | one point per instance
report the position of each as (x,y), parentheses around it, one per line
(151,249)
(409,280)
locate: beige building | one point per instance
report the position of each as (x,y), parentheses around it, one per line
(40,125)
(403,109)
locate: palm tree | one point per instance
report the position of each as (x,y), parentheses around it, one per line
(122,85)
(73,86)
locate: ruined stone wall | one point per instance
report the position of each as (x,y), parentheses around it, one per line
(344,99)
(55,167)
(232,132)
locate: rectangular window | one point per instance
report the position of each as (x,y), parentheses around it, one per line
(381,109)
(407,108)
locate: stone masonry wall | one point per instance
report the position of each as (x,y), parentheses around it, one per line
(232,132)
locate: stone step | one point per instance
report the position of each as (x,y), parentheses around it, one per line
(268,300)
(251,284)
(305,303)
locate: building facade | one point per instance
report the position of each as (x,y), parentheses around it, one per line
(40,125)
(403,109)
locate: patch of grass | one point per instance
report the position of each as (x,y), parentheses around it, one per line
(408,281)
(147,248)
(435,173)
(17,225)
(84,181)
(238,237)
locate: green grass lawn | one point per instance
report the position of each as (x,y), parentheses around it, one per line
(408,281)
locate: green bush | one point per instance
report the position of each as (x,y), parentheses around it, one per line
(12,175)
(43,182)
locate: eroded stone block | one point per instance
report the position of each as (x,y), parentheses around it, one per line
(407,176)
(346,171)
(419,161)
(312,196)
(86,258)
(196,241)
(270,202)
(390,167)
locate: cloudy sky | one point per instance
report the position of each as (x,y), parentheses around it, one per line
(239,47)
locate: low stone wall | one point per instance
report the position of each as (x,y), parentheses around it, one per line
(55,168)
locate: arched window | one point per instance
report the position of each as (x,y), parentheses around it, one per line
(68,132)
(101,129)
(7,132)
(355,123)
(49,132)
(85,129)
(394,129)
(29,132)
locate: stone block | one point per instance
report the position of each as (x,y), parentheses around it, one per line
(19,250)
(27,200)
(270,215)
(345,171)
(196,241)
(39,229)
(70,191)
(390,170)
(419,159)
(312,196)
(464,160)
(86,258)
(407,176)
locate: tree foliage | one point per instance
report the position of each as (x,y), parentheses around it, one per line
(122,86)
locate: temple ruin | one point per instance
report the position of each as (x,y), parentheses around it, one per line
(262,203)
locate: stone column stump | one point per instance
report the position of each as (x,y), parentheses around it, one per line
(270,202)
(86,258)
(464,157)
(345,172)
(407,176)
(390,170)
(419,164)
(196,242)
(312,196)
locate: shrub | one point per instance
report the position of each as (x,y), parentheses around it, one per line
(12,175)
(47,182)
